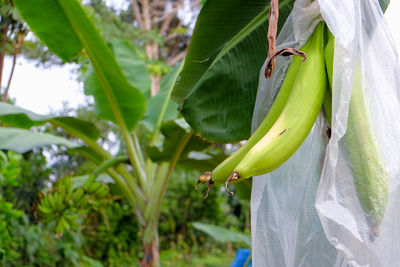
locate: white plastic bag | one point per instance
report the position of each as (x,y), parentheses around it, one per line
(307,212)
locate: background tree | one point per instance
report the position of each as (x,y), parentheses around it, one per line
(12,33)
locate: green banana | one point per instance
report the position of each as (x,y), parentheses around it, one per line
(59,201)
(93,187)
(79,194)
(44,201)
(296,119)
(364,157)
(52,202)
(43,210)
(101,192)
(222,172)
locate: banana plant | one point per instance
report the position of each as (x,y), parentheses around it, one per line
(119,83)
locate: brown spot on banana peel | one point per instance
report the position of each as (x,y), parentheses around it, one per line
(283,131)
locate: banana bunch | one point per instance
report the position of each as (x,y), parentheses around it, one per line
(96,189)
(288,122)
(64,206)
(362,153)
(301,97)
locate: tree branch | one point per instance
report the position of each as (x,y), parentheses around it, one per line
(167,22)
(177,58)
(17,49)
(136,13)
(146,15)
(3,37)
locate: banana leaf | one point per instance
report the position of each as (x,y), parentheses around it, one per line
(217,87)
(65,28)
(223,235)
(11,115)
(21,140)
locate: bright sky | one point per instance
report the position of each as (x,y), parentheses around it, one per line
(44,90)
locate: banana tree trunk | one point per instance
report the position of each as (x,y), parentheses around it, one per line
(151,254)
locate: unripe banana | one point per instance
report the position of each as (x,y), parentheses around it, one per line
(297,118)
(52,201)
(225,168)
(46,202)
(363,155)
(93,187)
(101,192)
(71,220)
(78,195)
(59,198)
(43,210)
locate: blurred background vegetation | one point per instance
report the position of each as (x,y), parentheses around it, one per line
(102,231)
(106,232)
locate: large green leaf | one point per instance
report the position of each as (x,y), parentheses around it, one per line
(223,235)
(161,104)
(132,65)
(116,99)
(77,127)
(21,140)
(217,87)
(22,118)
(173,132)
(48,21)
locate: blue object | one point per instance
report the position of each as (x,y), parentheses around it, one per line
(241,257)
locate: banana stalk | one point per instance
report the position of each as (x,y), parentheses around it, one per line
(222,172)
(363,154)
(297,118)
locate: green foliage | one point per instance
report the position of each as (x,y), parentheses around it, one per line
(33,177)
(217,87)
(116,99)
(183,205)
(112,234)
(173,131)
(158,67)
(23,242)
(199,257)
(112,25)
(120,88)
(8,243)
(223,235)
(9,164)
(67,45)
(160,105)
(102,228)
(21,140)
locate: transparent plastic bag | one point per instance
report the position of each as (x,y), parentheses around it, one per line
(307,212)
